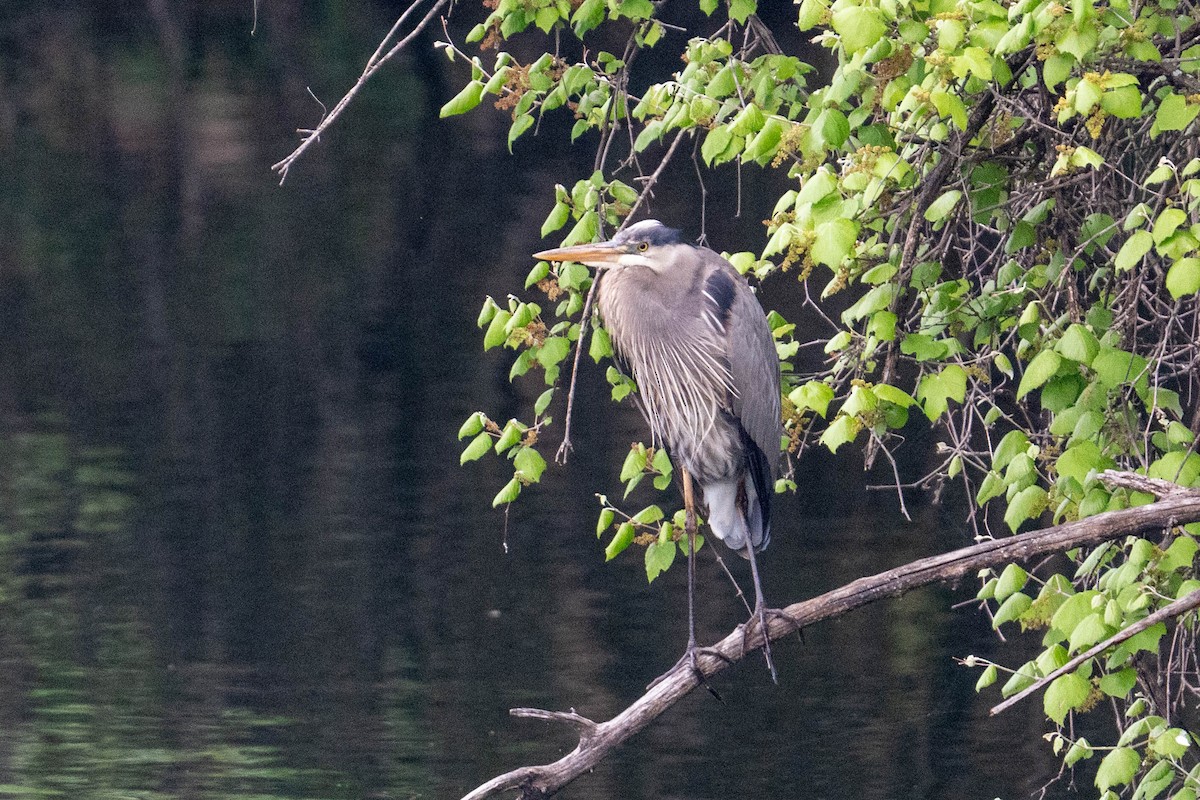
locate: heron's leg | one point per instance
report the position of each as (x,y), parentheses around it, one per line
(689,505)
(689,525)
(760,611)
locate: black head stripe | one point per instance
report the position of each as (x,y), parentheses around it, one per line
(651,231)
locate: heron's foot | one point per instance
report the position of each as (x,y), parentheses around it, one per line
(759,615)
(690,658)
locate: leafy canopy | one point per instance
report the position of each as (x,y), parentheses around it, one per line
(1007,192)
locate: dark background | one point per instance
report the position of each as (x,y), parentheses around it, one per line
(238,557)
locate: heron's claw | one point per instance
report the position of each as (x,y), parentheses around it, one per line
(759,615)
(689,658)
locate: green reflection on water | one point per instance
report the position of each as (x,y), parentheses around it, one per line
(90,709)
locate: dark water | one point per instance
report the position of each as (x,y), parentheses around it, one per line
(238,558)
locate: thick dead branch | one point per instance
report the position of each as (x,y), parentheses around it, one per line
(1176,506)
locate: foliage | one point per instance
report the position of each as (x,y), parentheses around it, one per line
(1008,193)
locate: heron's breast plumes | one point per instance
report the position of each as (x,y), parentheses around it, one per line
(685,387)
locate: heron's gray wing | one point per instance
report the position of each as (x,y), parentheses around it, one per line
(754,367)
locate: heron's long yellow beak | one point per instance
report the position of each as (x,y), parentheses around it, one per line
(594,255)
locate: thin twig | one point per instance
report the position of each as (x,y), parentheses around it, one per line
(1175,609)
(377,60)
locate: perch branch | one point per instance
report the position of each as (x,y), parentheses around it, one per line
(1176,506)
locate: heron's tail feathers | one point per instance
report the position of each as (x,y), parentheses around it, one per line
(736,514)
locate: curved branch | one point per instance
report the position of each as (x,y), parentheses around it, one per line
(1176,506)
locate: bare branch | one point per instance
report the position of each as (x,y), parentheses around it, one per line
(377,60)
(1177,506)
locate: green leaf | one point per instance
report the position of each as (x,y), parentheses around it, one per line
(1078,344)
(1079,750)
(1072,612)
(1171,743)
(1119,684)
(601,345)
(815,395)
(1078,41)
(472,426)
(522,123)
(740,10)
(715,143)
(543,402)
(1146,640)
(636,9)
(1012,580)
(1029,503)
(1065,693)
(622,539)
(842,430)
(556,219)
(1091,629)
(1056,69)
(509,493)
(1179,555)
(539,272)
(464,101)
(605,520)
(511,434)
(1117,768)
(859,27)
(647,516)
(834,241)
(529,462)
(496,332)
(553,350)
(987,678)
(891,394)
(1041,369)
(659,556)
(1174,113)
(1183,278)
(1011,609)
(1115,367)
(475,450)
(1081,458)
(634,465)
(939,209)
(990,487)
(1124,102)
(811,13)
(833,126)
(1130,254)
(764,143)
(1167,223)
(934,391)
(589,14)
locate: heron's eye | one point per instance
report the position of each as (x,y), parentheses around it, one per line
(643,247)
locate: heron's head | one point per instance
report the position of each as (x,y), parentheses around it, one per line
(648,243)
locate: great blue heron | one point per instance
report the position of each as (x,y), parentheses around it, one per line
(700,349)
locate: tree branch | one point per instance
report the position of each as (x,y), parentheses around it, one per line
(1170,611)
(1176,506)
(377,60)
